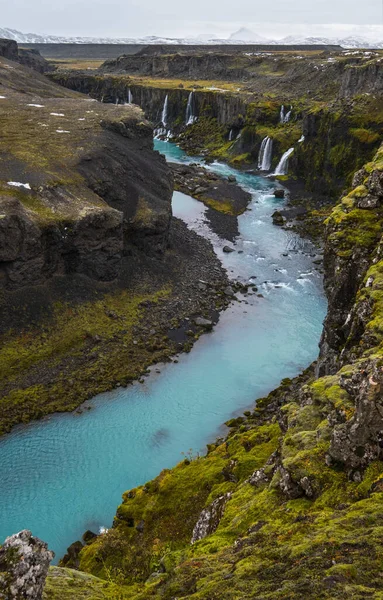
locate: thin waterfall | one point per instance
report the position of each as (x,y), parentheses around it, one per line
(288,115)
(301,139)
(190,116)
(231,135)
(164,116)
(283,165)
(265,154)
(130,97)
(117,101)
(282,114)
(261,152)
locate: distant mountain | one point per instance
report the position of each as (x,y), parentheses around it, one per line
(246,35)
(348,42)
(242,36)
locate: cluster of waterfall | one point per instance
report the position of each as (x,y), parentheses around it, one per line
(190,116)
(285,115)
(265,154)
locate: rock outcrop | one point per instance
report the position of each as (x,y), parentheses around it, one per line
(30,58)
(210,518)
(24,564)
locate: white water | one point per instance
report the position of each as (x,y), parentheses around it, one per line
(284,163)
(284,117)
(190,116)
(231,134)
(288,115)
(164,116)
(265,154)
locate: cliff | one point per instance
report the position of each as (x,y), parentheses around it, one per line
(289,504)
(76,187)
(335,102)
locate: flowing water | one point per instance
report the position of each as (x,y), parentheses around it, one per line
(66,474)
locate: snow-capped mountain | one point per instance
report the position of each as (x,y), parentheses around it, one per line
(242,36)
(246,35)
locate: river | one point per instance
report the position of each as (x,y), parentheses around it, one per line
(66,473)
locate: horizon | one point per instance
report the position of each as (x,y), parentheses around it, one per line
(269,31)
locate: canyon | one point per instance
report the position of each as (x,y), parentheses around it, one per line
(286,503)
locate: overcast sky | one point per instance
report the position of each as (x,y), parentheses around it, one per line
(177,18)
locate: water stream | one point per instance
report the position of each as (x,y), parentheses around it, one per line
(66,474)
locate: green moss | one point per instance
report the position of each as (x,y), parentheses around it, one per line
(64,342)
(365,136)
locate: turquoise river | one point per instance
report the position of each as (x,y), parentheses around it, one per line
(66,474)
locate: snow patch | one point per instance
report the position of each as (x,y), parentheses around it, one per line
(20,185)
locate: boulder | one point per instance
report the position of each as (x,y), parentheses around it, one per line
(279,193)
(278,219)
(227,249)
(205,323)
(210,518)
(24,564)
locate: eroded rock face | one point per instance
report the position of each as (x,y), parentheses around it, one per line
(360,441)
(24,564)
(210,518)
(346,267)
(81,187)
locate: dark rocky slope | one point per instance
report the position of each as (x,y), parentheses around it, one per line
(289,504)
(96,277)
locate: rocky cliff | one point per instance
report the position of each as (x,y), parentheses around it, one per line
(289,504)
(80,183)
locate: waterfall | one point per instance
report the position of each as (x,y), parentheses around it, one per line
(130,97)
(261,152)
(117,101)
(164,116)
(288,115)
(282,114)
(284,163)
(231,135)
(265,154)
(190,117)
(301,139)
